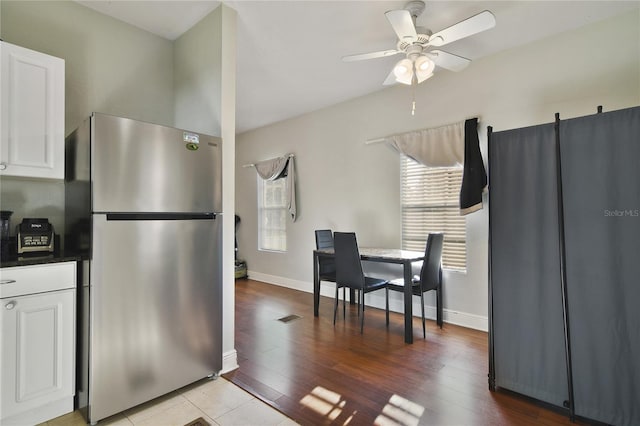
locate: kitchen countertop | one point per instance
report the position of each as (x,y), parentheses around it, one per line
(37,260)
(9,257)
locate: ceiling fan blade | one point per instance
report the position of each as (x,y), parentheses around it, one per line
(402,24)
(448,60)
(372,55)
(477,23)
(391,79)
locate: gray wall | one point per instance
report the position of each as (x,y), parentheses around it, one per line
(33,198)
(197,80)
(110,67)
(347,186)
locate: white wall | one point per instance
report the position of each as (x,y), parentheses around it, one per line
(205,102)
(347,186)
(228,133)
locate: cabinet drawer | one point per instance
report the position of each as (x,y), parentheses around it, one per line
(22,280)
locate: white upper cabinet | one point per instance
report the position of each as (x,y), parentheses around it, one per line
(32,113)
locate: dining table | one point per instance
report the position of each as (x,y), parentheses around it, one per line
(380,255)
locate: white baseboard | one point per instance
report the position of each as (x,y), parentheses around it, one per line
(229,361)
(463,319)
(284,282)
(43,413)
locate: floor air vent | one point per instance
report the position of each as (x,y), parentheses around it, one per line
(289,318)
(198,422)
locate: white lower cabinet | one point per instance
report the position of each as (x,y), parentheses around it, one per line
(37,347)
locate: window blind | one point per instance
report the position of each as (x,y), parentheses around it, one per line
(431,203)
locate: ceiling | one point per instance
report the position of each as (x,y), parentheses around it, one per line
(288,60)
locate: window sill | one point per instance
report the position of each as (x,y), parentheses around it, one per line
(272,251)
(455,271)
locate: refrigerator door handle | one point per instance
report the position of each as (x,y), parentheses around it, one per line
(161,216)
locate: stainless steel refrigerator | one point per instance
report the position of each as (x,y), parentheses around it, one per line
(143,209)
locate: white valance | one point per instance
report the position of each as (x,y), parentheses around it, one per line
(277,168)
(271,169)
(438,147)
(448,146)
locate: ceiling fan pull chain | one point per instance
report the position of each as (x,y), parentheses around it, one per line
(414,83)
(413,99)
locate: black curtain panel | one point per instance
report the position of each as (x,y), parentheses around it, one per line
(527,323)
(601,186)
(474,178)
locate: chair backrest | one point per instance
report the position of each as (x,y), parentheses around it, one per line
(348,266)
(324,239)
(430,272)
(327,266)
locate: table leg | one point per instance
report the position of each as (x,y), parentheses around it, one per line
(408,306)
(316,285)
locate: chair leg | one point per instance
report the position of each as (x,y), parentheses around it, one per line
(386,293)
(362,313)
(424,329)
(344,302)
(439,305)
(335,305)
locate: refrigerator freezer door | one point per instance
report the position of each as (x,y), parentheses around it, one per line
(156,308)
(142,167)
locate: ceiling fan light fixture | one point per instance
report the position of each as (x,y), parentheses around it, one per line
(400,70)
(424,65)
(405,79)
(403,67)
(424,70)
(403,71)
(422,76)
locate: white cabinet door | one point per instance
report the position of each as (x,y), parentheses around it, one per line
(37,351)
(32,110)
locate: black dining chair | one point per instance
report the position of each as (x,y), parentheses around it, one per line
(430,278)
(349,273)
(326,265)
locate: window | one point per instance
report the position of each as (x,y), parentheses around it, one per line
(431,203)
(272,214)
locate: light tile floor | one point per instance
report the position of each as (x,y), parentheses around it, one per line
(218,401)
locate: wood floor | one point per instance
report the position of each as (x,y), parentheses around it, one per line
(317,374)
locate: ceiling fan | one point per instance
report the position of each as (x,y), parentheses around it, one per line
(417,44)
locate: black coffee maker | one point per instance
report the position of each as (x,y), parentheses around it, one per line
(8,244)
(35,236)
